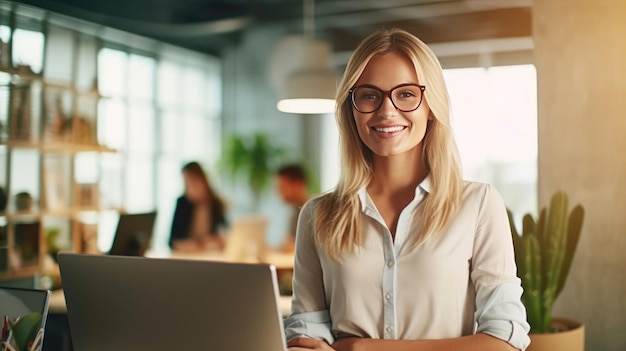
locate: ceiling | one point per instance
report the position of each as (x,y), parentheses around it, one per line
(210,26)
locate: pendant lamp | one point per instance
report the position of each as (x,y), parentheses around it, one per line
(310,86)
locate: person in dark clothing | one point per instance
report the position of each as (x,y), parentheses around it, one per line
(200,214)
(292,187)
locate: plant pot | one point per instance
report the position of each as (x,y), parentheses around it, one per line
(571,338)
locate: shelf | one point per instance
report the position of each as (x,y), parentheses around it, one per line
(21,73)
(20,215)
(69,147)
(73,212)
(57,146)
(21,272)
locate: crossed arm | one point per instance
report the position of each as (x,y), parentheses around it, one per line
(478,342)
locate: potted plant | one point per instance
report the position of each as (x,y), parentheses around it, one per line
(22,334)
(254,158)
(543,252)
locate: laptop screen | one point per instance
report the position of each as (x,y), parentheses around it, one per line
(133,234)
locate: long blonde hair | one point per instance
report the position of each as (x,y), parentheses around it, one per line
(338,213)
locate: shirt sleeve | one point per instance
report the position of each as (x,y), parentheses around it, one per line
(499,309)
(309,311)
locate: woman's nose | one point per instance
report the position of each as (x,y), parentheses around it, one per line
(387,108)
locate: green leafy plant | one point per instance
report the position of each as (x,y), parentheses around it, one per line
(52,237)
(543,252)
(24,332)
(254,158)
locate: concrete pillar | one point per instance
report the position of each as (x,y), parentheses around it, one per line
(580,55)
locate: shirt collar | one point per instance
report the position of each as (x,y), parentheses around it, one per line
(366,201)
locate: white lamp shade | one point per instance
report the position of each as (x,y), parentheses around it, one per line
(310,87)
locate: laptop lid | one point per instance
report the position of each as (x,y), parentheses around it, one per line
(133,234)
(245,241)
(139,303)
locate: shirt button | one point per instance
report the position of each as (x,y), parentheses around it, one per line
(389,263)
(388,296)
(388,329)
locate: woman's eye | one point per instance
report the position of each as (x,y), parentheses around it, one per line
(406,94)
(369,96)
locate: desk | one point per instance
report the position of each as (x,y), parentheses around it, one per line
(57,303)
(279,259)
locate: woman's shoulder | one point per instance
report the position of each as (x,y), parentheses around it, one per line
(480,192)
(324,201)
(477,186)
(312,203)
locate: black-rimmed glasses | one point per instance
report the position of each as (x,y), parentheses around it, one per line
(405,97)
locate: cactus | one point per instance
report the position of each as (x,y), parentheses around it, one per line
(543,252)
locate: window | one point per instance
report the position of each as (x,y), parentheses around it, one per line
(155,111)
(494,116)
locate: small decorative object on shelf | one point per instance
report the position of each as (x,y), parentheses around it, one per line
(23,201)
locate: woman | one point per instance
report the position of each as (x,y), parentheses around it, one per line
(403,254)
(199,216)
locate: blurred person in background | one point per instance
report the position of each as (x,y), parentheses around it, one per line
(292,187)
(200,214)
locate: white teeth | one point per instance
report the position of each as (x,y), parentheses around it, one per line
(389,129)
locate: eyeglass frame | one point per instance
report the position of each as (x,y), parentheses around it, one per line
(387,93)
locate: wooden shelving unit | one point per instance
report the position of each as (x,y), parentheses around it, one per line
(48,125)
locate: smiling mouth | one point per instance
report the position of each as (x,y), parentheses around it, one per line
(394,129)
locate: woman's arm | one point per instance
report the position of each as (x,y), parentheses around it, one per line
(478,342)
(302,344)
(309,316)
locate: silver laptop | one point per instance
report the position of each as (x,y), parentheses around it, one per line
(139,303)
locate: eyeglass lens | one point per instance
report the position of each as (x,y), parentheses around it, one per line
(406,98)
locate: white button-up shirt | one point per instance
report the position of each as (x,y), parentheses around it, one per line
(460,282)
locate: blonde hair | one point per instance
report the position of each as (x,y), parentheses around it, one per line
(338,213)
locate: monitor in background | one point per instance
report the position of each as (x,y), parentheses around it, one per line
(157,304)
(246,239)
(133,234)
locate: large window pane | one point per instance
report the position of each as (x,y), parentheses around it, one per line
(112,72)
(5,97)
(59,55)
(170,84)
(169,131)
(24,176)
(112,124)
(495,121)
(195,143)
(141,77)
(195,91)
(28,49)
(139,196)
(141,130)
(111,182)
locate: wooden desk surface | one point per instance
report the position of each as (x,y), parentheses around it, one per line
(279,259)
(57,303)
